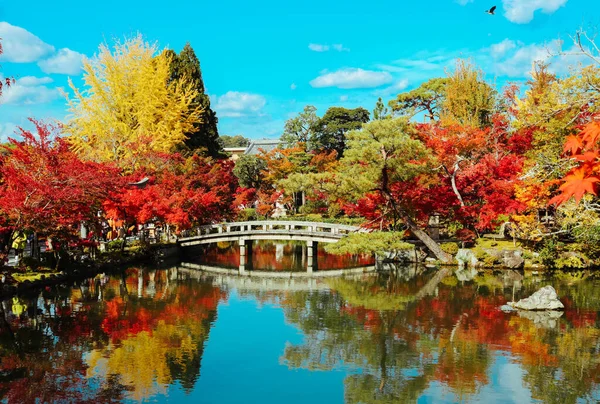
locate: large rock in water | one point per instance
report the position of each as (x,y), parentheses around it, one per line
(513,259)
(543,299)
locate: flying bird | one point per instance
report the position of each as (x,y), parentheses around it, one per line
(491,10)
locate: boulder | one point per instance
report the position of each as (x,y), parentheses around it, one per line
(513,259)
(543,299)
(465,256)
(399,256)
(507,309)
(494,252)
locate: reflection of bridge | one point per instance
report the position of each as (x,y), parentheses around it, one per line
(260,280)
(245,232)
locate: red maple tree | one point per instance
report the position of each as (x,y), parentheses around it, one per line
(46,187)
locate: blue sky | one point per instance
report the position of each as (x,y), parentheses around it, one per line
(263,61)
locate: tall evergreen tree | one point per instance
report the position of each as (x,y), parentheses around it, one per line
(205,134)
(332,128)
(380,111)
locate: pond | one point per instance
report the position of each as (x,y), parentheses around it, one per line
(174,335)
(275,256)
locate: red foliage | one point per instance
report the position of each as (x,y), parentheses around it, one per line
(183,193)
(484,163)
(46,187)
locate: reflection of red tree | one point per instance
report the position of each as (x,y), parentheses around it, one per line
(125,316)
(332,261)
(265,257)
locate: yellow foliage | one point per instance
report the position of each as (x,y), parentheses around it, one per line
(129,108)
(142,361)
(469,100)
(553,107)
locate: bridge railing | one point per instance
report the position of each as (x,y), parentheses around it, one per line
(272,226)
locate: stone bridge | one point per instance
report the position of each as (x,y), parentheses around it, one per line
(245,232)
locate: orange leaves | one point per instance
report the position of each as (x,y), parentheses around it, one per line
(576,184)
(591,133)
(573,145)
(582,179)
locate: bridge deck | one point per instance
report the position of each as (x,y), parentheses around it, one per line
(268,230)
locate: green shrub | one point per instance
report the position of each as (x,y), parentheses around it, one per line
(246,215)
(369,243)
(114,245)
(572,261)
(452,228)
(487,260)
(550,252)
(450,248)
(313,207)
(527,255)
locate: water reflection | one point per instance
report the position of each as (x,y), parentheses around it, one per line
(106,339)
(274,256)
(405,334)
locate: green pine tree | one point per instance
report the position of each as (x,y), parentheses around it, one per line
(205,134)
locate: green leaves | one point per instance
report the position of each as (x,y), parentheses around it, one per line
(370,243)
(425,98)
(381,153)
(331,130)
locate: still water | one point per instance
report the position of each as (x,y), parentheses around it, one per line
(275,256)
(177,335)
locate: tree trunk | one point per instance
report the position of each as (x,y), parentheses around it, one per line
(398,212)
(455,188)
(35,247)
(430,243)
(453,179)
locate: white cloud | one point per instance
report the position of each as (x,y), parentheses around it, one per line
(464,2)
(518,61)
(30,81)
(343,98)
(352,78)
(515,59)
(395,88)
(21,46)
(29,90)
(522,11)
(340,48)
(501,48)
(237,104)
(315,47)
(421,66)
(65,61)
(293,86)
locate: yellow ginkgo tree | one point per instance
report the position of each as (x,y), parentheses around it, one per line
(129,109)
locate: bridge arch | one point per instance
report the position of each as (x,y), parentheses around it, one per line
(245,232)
